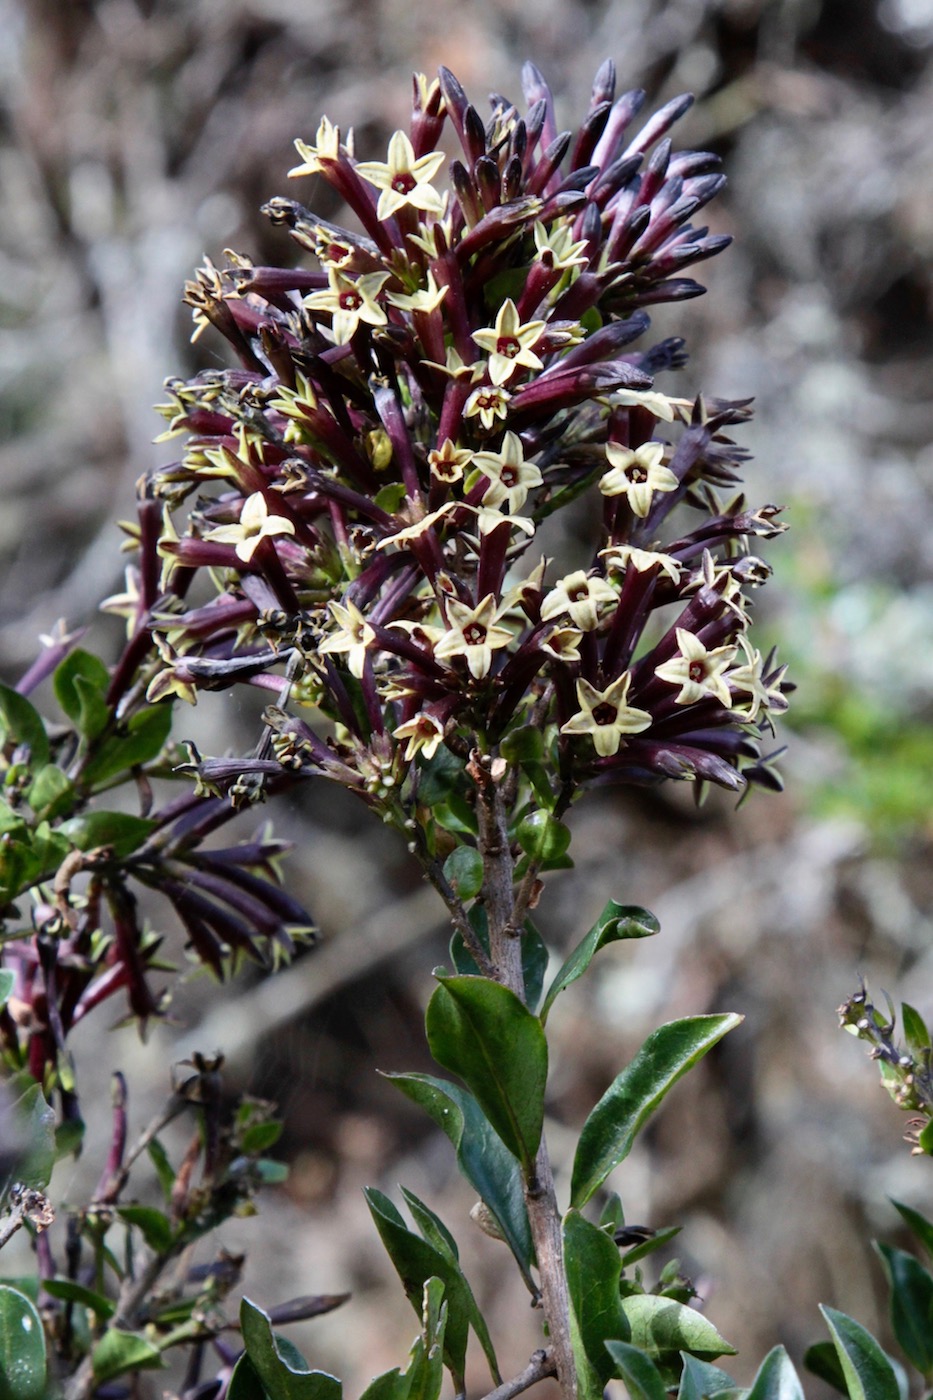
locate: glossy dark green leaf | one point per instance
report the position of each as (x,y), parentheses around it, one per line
(868,1373)
(245,1383)
(119,1352)
(610,1130)
(616,922)
(391,1385)
(35,1121)
(822,1360)
(51,793)
(433,1229)
(918,1223)
(535,958)
(21,724)
(153,1225)
(482,1157)
(482,1032)
(440,776)
(463,870)
(524,745)
(660,1327)
(776,1378)
(925,1140)
(699,1380)
(279,1366)
(911,1305)
(71,1292)
(657,1241)
(544,840)
(22,1347)
(915,1031)
(119,830)
(416,1261)
(638,1372)
(591,1263)
(140,741)
(80,683)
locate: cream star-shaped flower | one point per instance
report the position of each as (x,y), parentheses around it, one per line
(510,477)
(426,298)
(621,557)
(424,734)
(326,148)
(353,636)
(581,597)
(509,343)
(404,180)
(764,693)
(472,634)
(255,525)
(698,672)
(637,475)
(606,716)
(448,461)
(350,301)
(487,404)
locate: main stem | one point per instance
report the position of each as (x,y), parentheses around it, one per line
(504,922)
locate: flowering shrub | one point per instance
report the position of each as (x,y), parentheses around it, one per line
(353,528)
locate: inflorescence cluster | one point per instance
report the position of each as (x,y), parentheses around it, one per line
(365,492)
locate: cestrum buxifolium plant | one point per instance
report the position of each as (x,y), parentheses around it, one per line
(353,527)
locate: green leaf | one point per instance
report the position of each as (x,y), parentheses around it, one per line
(125,833)
(822,1360)
(425,1374)
(22,1347)
(440,776)
(482,1032)
(524,745)
(610,1130)
(661,1327)
(68,1138)
(699,1380)
(463,869)
(638,1372)
(544,840)
(434,1230)
(915,1031)
(245,1383)
(118,1352)
(271,1173)
(616,922)
(35,1119)
(20,724)
(72,1292)
(868,1373)
(163,1168)
(7,983)
(391,1385)
(80,683)
(911,1305)
(535,959)
(641,1251)
(776,1379)
(918,1223)
(416,1261)
(155,1228)
(51,793)
(925,1140)
(142,740)
(591,1262)
(277,1363)
(482,1157)
(260,1136)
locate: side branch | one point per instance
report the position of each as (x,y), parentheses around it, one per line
(539,1368)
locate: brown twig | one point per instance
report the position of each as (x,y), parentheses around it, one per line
(539,1368)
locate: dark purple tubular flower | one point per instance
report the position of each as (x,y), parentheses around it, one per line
(365,489)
